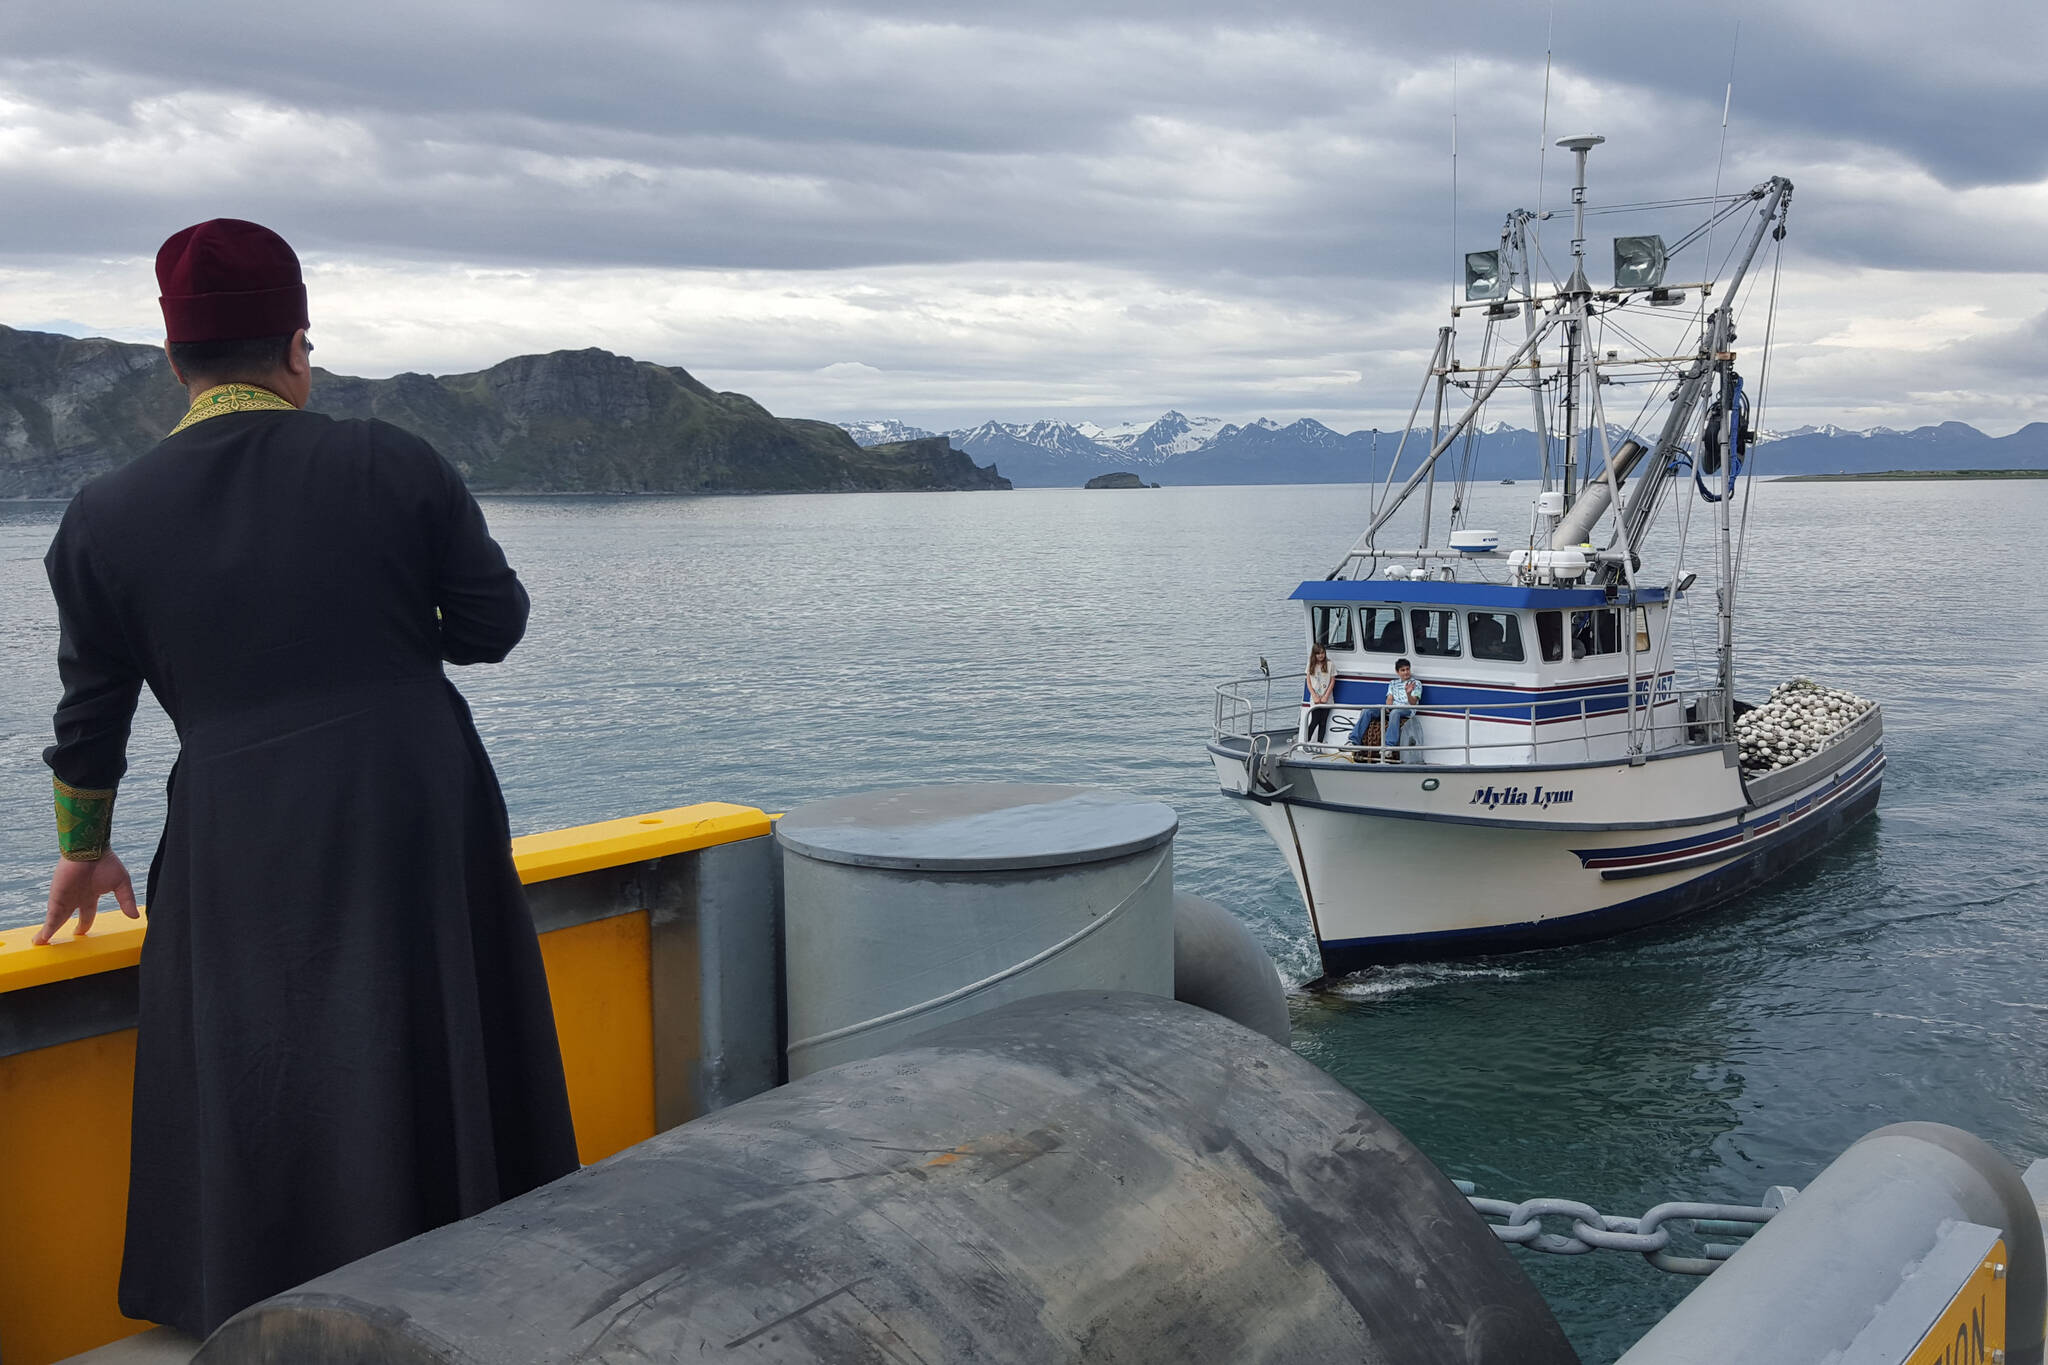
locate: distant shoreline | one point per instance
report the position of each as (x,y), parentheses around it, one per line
(62,498)
(1915,474)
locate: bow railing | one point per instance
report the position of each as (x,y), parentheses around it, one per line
(1476,734)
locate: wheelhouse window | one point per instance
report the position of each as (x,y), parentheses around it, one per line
(1550,635)
(1494,635)
(1381,627)
(1596,632)
(1434,632)
(1331,626)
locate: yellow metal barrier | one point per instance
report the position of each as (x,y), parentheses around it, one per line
(635,839)
(64,1108)
(1972,1328)
(64,1137)
(116,940)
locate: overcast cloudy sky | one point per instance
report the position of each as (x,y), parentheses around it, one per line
(945,212)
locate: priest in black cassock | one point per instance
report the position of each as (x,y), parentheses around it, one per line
(345,1033)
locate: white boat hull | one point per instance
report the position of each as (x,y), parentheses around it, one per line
(1403,862)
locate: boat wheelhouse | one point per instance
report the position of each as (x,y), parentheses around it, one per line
(1558,778)
(1510,675)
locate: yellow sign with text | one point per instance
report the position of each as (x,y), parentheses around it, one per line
(1972,1327)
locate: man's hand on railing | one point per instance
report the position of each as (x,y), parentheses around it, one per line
(77,887)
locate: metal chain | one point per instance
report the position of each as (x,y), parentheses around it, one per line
(1647,1236)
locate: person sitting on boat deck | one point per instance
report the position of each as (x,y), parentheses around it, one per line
(1322,683)
(344,1036)
(1404,694)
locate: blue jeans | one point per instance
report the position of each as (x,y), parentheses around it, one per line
(1390,735)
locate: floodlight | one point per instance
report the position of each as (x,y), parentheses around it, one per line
(1483,278)
(1638,262)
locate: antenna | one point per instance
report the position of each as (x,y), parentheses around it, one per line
(1575,320)
(1578,147)
(1721,157)
(1727,103)
(1543,132)
(1457,260)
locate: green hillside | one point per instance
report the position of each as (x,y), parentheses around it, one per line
(566,422)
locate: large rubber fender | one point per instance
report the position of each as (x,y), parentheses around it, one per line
(1086,1176)
(1218,966)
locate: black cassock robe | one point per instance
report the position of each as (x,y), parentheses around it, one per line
(345,1036)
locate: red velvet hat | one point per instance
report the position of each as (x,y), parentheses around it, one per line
(227,280)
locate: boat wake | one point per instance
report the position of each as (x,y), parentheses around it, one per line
(1380,983)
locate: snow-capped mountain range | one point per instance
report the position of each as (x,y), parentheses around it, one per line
(884,431)
(1144,443)
(1178,449)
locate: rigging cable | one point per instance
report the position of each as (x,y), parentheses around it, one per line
(1664,372)
(1683,201)
(1734,203)
(1692,625)
(1387,490)
(1462,489)
(1762,393)
(1651,394)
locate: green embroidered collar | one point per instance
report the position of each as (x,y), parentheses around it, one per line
(226,398)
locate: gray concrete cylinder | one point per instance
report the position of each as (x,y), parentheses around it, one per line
(913,906)
(1078,1177)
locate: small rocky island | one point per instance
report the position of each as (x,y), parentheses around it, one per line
(1120,479)
(566,422)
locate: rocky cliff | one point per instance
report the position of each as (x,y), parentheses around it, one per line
(567,422)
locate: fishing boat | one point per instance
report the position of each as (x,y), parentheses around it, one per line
(1560,776)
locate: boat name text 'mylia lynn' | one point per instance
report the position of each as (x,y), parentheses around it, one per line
(1494,746)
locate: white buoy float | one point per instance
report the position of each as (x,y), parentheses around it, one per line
(1795,723)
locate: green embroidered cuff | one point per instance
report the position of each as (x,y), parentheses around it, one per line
(85,821)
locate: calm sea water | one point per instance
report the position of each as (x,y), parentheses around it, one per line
(773,651)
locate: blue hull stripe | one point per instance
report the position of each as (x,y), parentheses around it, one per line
(1770,832)
(1765,860)
(1653,856)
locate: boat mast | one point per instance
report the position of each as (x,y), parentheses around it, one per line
(1776,196)
(1731,423)
(1518,230)
(1579,292)
(1776,192)
(1436,426)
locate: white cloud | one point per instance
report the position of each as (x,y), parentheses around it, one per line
(918,210)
